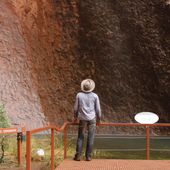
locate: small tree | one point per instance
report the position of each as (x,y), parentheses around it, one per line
(4,120)
(4,123)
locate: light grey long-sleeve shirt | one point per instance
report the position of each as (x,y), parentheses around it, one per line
(87,106)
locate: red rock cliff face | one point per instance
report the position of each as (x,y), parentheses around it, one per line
(38,42)
(48,46)
(128,43)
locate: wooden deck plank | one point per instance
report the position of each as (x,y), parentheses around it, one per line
(109,164)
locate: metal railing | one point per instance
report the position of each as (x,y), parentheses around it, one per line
(64,129)
(19,132)
(34,131)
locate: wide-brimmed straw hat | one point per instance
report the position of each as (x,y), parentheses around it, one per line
(87,85)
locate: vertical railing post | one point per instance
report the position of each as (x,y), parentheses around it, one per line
(28,150)
(147,142)
(65,141)
(52,148)
(19,147)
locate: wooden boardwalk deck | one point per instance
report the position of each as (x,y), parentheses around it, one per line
(109,164)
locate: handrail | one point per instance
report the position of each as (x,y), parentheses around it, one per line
(33,131)
(122,124)
(8,130)
(64,129)
(44,129)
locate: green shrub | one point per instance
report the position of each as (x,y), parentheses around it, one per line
(4,120)
(4,123)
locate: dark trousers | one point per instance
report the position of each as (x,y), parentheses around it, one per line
(91,127)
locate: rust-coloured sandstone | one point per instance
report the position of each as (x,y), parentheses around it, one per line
(47,47)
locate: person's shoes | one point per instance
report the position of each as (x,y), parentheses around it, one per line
(88,159)
(77,158)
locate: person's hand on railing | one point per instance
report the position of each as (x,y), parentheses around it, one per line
(98,122)
(69,119)
(75,120)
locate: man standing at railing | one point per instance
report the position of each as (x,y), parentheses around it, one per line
(87,111)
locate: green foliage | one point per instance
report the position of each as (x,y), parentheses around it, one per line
(4,123)
(4,120)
